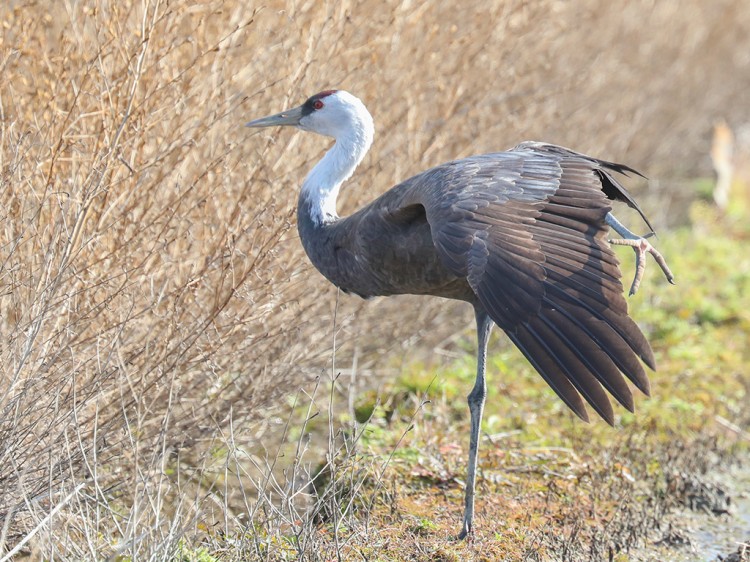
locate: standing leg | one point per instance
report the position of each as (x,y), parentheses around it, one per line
(476,407)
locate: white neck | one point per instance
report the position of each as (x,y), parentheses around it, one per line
(321,186)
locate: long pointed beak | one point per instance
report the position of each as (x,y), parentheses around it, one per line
(289,117)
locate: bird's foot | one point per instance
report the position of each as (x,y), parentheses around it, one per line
(641,246)
(466,531)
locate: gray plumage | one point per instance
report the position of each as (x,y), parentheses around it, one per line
(521,235)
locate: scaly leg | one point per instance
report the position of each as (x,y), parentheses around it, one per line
(476,407)
(641,246)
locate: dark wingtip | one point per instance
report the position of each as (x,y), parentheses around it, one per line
(624,170)
(617,192)
(647,355)
(642,383)
(582,414)
(646,390)
(607,414)
(627,402)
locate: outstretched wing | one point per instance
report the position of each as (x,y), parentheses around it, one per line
(526,228)
(611,188)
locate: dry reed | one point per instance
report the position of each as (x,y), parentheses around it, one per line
(155,302)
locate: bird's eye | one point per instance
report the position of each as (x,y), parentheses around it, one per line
(317,104)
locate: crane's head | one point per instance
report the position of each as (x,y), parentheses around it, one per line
(333,113)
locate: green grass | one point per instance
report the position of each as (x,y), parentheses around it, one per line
(550,486)
(549,482)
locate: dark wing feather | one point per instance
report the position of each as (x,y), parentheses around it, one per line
(526,228)
(609,185)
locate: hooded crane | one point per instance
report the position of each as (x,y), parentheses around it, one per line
(521,235)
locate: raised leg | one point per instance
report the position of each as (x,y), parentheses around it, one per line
(476,407)
(641,246)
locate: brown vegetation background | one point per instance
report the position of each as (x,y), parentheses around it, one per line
(154,298)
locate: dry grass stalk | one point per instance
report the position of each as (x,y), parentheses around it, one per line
(153,297)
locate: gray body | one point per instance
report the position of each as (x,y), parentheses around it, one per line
(521,235)
(383,249)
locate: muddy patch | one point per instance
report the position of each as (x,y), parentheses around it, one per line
(713,522)
(696,507)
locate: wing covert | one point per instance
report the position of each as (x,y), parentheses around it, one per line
(526,228)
